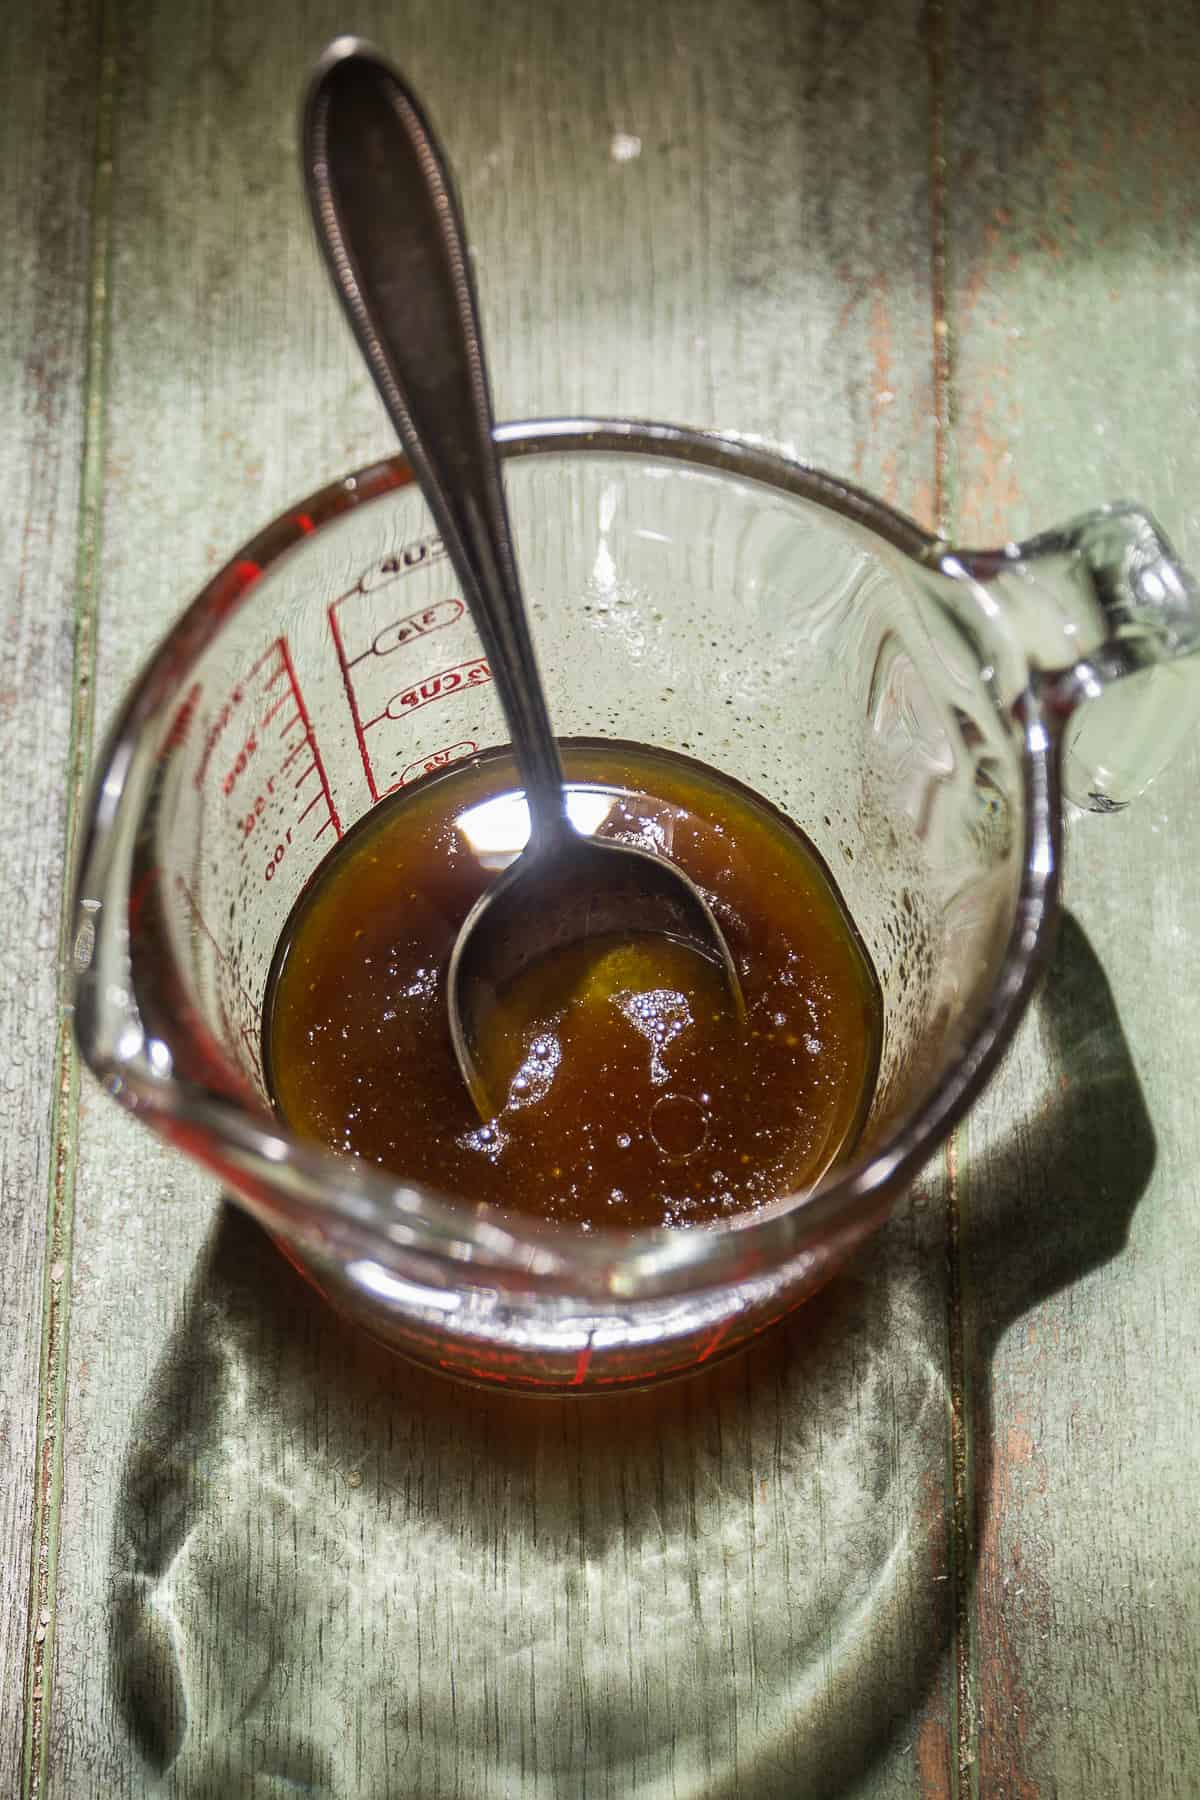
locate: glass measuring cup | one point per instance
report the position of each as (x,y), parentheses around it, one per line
(917,711)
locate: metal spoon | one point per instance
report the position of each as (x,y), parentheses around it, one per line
(389,224)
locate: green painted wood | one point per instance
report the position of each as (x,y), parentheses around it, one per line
(281,1555)
(47,127)
(239,1470)
(1072,136)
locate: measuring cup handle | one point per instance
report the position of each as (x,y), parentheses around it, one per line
(1108,619)
(389,225)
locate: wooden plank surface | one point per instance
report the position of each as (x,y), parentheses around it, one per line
(284,1559)
(47,128)
(1074,236)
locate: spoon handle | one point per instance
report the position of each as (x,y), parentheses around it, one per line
(389,224)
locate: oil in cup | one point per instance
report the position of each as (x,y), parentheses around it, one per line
(626,1092)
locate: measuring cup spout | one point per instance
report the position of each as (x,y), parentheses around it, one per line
(1107,619)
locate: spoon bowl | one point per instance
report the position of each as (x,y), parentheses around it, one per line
(557,894)
(389,225)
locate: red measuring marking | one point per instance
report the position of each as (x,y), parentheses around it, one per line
(137,899)
(244,1029)
(398,563)
(364,649)
(438,759)
(230,586)
(458,679)
(716,1339)
(181,724)
(260,754)
(399,632)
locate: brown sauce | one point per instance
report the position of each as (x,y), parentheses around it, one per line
(631,1095)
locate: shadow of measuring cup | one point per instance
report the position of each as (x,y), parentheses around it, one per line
(1055,1197)
(339,1572)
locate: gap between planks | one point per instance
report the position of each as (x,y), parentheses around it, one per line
(60,1201)
(962,1774)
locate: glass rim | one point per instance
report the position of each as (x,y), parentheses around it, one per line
(319,1196)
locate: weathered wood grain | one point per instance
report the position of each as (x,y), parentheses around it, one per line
(239,1470)
(1074,250)
(47,129)
(282,1558)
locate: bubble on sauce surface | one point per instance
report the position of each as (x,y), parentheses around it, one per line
(679,1126)
(489,1140)
(536,1071)
(660,1015)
